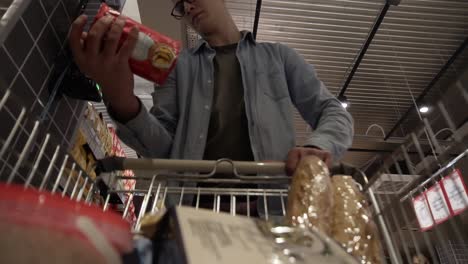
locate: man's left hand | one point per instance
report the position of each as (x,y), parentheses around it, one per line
(296,154)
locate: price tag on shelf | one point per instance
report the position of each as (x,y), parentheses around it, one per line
(423,214)
(437,203)
(456,192)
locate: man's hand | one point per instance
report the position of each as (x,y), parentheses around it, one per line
(296,154)
(98,55)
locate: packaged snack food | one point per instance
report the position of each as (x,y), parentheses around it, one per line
(154,55)
(150,223)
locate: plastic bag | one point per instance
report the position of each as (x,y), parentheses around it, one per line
(352,225)
(334,206)
(310,199)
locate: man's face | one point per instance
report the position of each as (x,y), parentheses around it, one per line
(204,15)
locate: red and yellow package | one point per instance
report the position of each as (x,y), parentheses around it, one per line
(154,55)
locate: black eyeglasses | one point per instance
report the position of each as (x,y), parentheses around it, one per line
(178,12)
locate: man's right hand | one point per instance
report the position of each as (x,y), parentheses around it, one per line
(98,55)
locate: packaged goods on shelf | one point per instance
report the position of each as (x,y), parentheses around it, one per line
(97,132)
(128,185)
(107,141)
(95,140)
(82,155)
(91,165)
(77,151)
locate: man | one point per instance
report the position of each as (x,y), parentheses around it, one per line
(229,97)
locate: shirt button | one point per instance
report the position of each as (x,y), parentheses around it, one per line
(201,136)
(209,81)
(207,107)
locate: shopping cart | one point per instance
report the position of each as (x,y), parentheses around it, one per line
(30,156)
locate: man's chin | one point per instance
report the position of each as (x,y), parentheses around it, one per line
(203,29)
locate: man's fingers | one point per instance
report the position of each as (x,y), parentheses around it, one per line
(113,37)
(328,159)
(319,154)
(294,156)
(323,155)
(129,44)
(84,35)
(75,40)
(96,34)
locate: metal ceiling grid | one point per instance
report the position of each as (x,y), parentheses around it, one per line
(243,13)
(447,89)
(329,34)
(413,43)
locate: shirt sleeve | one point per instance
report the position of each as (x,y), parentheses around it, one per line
(151,133)
(332,124)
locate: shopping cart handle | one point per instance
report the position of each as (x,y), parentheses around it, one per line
(110,164)
(199,166)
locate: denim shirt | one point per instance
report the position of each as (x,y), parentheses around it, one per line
(275,78)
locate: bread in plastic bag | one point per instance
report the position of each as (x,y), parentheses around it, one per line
(352,225)
(310,199)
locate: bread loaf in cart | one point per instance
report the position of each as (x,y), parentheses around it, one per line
(310,198)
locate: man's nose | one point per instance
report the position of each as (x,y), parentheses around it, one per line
(188,7)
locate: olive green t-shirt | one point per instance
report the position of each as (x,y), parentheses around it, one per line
(228,134)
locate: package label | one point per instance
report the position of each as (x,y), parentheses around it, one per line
(423,213)
(456,192)
(209,237)
(437,203)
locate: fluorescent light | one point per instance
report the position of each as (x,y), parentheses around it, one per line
(344,101)
(424,109)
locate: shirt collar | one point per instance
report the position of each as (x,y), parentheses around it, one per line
(246,36)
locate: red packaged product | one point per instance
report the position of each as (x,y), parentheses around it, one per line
(154,55)
(41,227)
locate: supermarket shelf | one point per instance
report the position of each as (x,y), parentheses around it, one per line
(97,147)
